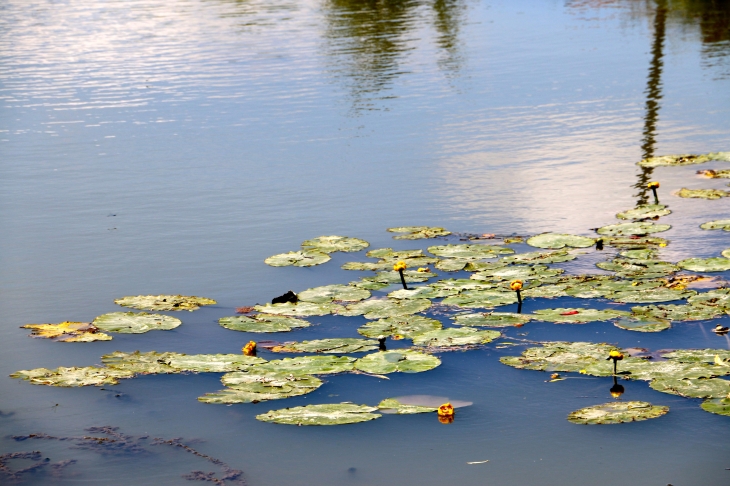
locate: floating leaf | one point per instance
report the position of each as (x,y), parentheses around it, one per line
(336,345)
(726,253)
(418,232)
(645,211)
(676,312)
(606,288)
(402,360)
(328,414)
(577,315)
(483,266)
(405,326)
(310,365)
(719,406)
(164,302)
(699,355)
(211,363)
(520,272)
(565,357)
(659,294)
(682,160)
(303,258)
(635,241)
(719,298)
(301,309)
(556,241)
(643,325)
(380,308)
(135,322)
(715,174)
(723,224)
(545,291)
(635,268)
(629,229)
(698,388)
(390,254)
(492,319)
(411,276)
(68,332)
(466,251)
(702,193)
(452,264)
(455,336)
(461,284)
(540,257)
(328,293)
(718,264)
(423,292)
(617,413)
(387,264)
(140,363)
(262,323)
(643,254)
(391,405)
(329,244)
(485,299)
(258,386)
(72,377)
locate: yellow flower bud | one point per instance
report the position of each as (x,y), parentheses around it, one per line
(446,410)
(400,266)
(653,185)
(616,355)
(516,285)
(249,349)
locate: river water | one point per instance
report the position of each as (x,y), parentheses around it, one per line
(169,147)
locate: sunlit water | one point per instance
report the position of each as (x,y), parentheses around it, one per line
(169,147)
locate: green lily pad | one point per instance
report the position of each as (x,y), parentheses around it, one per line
(328,293)
(723,224)
(455,336)
(164,302)
(629,229)
(485,299)
(718,264)
(423,292)
(418,232)
(380,308)
(546,291)
(328,414)
(642,254)
(699,356)
(135,322)
(310,365)
(640,369)
(556,241)
(303,258)
(676,312)
(405,326)
(466,251)
(411,276)
(473,266)
(452,264)
(520,272)
(636,242)
(540,257)
(397,360)
(682,160)
(211,363)
(390,254)
(726,253)
(643,325)
(617,413)
(577,315)
(492,319)
(719,298)
(301,309)
(336,345)
(719,406)
(635,268)
(461,284)
(566,357)
(699,388)
(387,264)
(606,288)
(645,211)
(369,284)
(702,193)
(262,323)
(659,294)
(68,332)
(715,174)
(330,244)
(394,406)
(140,363)
(73,377)
(258,386)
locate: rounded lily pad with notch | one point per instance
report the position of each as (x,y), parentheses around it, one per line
(73,376)
(702,193)
(697,388)
(643,325)
(333,346)
(719,406)
(164,302)
(629,229)
(645,211)
(418,232)
(402,326)
(211,363)
(520,272)
(659,294)
(330,244)
(455,337)
(716,264)
(565,357)
(135,322)
(540,257)
(555,241)
(391,405)
(484,299)
(719,298)
(675,312)
(68,332)
(326,414)
(397,360)
(577,315)
(301,309)
(136,362)
(617,413)
(723,224)
(311,365)
(683,159)
(380,308)
(303,258)
(262,323)
(633,268)
(467,251)
(258,386)
(328,293)
(492,319)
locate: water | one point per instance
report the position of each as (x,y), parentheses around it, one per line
(169,147)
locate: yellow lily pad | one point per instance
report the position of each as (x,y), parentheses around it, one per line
(68,332)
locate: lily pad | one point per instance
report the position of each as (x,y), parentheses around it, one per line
(401,360)
(135,322)
(645,211)
(659,294)
(310,365)
(455,336)
(391,405)
(565,357)
(390,254)
(330,244)
(643,325)
(258,386)
(642,254)
(723,224)
(485,299)
(327,414)
(262,323)
(719,406)
(466,251)
(699,356)
(606,288)
(461,284)
(715,174)
(404,326)
(164,302)
(637,242)
(328,293)
(301,309)
(702,193)
(387,264)
(577,315)
(452,264)
(676,312)
(211,363)
(520,272)
(726,253)
(303,258)
(418,232)
(473,266)
(392,277)
(540,257)
(68,332)
(380,308)
(719,298)
(617,413)
(546,291)
(629,229)
(683,159)
(423,292)
(492,319)
(73,377)
(556,241)
(718,264)
(635,268)
(336,345)
(140,363)
(698,388)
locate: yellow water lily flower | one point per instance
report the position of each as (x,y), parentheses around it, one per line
(400,266)
(616,355)
(653,185)
(424,270)
(583,372)
(516,285)
(249,349)
(446,410)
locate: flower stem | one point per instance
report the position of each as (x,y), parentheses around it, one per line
(403,279)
